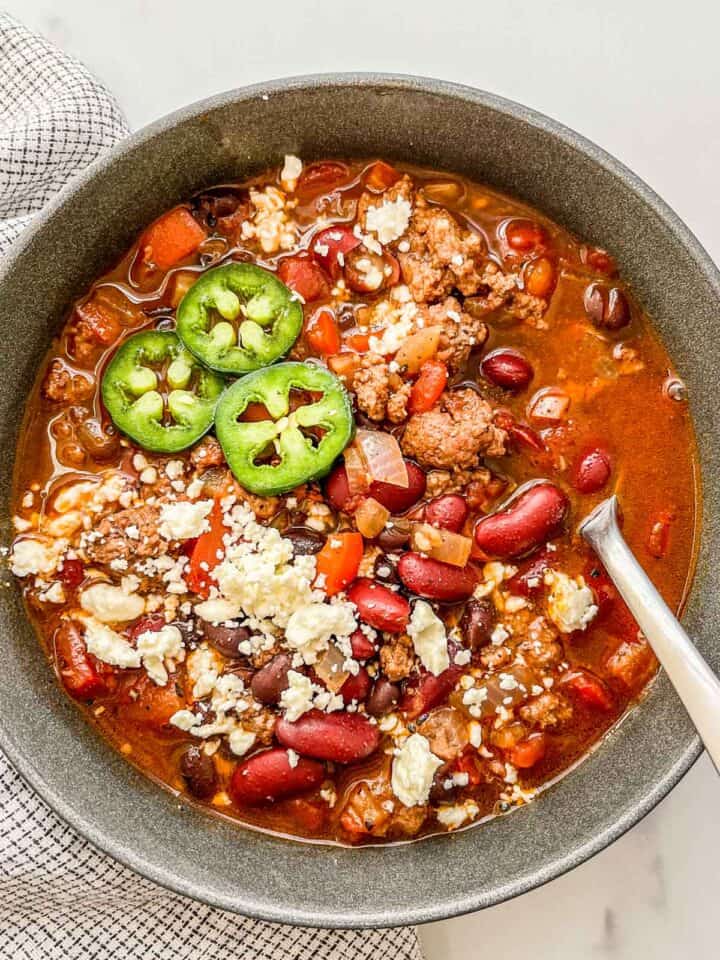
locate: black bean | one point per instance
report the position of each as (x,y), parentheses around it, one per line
(304,540)
(199,772)
(226,640)
(384,569)
(438,793)
(393,538)
(383,697)
(269,682)
(477,623)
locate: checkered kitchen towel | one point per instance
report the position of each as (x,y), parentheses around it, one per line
(60,899)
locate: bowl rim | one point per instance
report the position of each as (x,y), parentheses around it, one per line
(578,143)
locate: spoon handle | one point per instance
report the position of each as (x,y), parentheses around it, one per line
(694,681)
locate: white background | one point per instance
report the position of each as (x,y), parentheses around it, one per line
(641,78)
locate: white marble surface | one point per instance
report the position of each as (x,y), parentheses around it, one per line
(640,77)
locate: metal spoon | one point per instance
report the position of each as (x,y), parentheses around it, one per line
(694,681)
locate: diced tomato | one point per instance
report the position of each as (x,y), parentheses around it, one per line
(78,671)
(322,333)
(528,752)
(97,323)
(320,178)
(467,763)
(305,276)
(171,238)
(72,573)
(428,387)
(150,706)
(381,176)
(331,245)
(207,553)
(339,561)
(613,612)
(589,689)
(359,342)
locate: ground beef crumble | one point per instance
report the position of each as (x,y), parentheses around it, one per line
(455,433)
(111,540)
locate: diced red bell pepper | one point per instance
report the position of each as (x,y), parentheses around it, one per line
(150,706)
(589,689)
(331,245)
(207,553)
(171,238)
(78,671)
(322,333)
(338,562)
(528,752)
(305,277)
(428,387)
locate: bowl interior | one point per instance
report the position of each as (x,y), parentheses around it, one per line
(438,125)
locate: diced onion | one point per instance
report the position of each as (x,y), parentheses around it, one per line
(330,669)
(383,457)
(550,405)
(440,544)
(357,471)
(418,349)
(371,517)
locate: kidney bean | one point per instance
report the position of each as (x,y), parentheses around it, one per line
(226,640)
(524,235)
(356,687)
(362,646)
(529,580)
(435,580)
(599,260)
(149,624)
(385,570)
(269,682)
(520,433)
(199,772)
(268,776)
(304,540)
(72,573)
(393,538)
(383,697)
(540,277)
(658,539)
(364,271)
(449,512)
(378,606)
(78,670)
(534,517)
(508,369)
(591,470)
(340,737)
(425,691)
(607,308)
(477,623)
(393,498)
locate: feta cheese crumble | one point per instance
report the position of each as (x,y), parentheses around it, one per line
(111,604)
(390,220)
(427,633)
(413,770)
(185,519)
(570,603)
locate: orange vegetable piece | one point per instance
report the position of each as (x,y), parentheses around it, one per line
(321,332)
(339,561)
(171,238)
(205,555)
(428,387)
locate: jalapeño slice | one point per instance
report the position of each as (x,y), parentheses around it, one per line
(266,318)
(131,392)
(274,455)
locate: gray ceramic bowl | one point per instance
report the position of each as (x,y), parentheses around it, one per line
(92,221)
